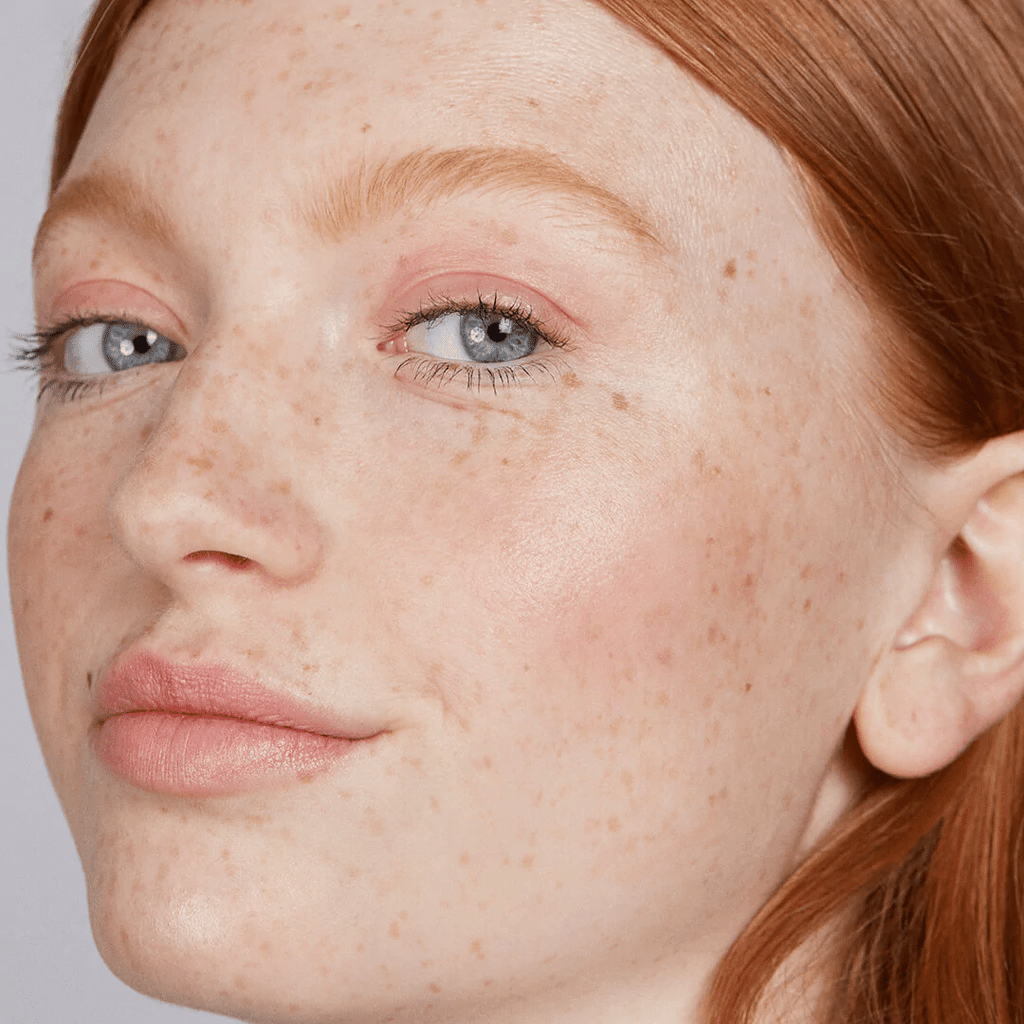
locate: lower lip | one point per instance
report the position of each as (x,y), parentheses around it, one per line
(199,755)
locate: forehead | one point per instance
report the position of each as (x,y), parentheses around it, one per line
(314,84)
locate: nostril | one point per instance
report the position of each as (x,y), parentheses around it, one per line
(223,557)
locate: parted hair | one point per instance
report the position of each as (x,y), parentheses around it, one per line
(904,120)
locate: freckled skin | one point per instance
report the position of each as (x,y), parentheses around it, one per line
(612,691)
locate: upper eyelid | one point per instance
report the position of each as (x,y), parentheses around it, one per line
(436,308)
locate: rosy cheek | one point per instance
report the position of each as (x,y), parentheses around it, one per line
(60,547)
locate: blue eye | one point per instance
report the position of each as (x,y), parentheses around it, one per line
(481,336)
(105,347)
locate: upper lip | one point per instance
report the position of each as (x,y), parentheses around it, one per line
(145,681)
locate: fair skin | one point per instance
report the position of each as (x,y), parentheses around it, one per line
(613,624)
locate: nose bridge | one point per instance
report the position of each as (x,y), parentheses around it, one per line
(217,476)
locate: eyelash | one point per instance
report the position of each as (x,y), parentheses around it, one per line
(36,351)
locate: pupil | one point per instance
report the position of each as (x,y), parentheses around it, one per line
(141,344)
(495,333)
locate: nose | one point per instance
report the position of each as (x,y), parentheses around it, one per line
(215,491)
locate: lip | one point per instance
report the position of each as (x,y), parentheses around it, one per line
(209,730)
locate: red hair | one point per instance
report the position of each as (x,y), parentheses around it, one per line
(905,119)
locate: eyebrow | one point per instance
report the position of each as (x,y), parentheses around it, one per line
(423,178)
(365,195)
(106,195)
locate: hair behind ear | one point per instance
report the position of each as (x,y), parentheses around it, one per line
(929,871)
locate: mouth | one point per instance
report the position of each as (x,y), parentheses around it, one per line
(208,730)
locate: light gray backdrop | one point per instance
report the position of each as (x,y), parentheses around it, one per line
(50,972)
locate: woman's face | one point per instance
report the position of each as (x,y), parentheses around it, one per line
(605,606)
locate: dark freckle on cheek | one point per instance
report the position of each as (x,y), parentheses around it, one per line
(570,380)
(620,401)
(730,269)
(47,515)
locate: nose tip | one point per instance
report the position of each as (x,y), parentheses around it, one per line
(186,519)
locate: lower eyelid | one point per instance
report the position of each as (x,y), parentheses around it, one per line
(428,372)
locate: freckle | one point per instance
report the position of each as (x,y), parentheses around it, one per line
(768,392)
(464,859)
(316,421)
(662,699)
(664,656)
(712,731)
(748,687)
(366,127)
(47,515)
(434,987)
(860,625)
(807,606)
(393,930)
(730,269)
(201,464)
(613,824)
(620,401)
(459,458)
(805,572)
(528,862)
(570,380)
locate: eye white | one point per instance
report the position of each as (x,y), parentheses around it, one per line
(439,338)
(83,351)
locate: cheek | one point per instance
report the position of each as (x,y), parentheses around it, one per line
(62,564)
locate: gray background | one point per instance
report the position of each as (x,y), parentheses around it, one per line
(50,972)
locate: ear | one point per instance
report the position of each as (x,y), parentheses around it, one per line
(956,667)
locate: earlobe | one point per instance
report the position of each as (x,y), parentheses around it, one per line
(956,667)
